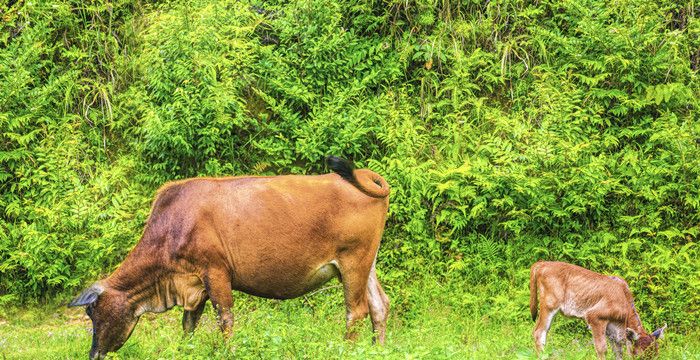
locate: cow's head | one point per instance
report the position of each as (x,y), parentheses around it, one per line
(112,317)
(645,345)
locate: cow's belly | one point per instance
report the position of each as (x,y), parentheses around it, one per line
(284,282)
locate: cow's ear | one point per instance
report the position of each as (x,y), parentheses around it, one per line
(88,296)
(632,335)
(659,333)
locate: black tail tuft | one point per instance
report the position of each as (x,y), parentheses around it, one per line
(342,167)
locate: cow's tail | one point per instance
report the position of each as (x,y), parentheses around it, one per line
(533,291)
(366,181)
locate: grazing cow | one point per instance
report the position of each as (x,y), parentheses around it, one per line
(277,237)
(604,302)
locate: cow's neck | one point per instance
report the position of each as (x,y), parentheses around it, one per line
(148,286)
(160,296)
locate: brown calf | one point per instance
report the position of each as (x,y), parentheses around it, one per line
(276,237)
(604,302)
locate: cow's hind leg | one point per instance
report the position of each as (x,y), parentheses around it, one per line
(218,286)
(378,306)
(355,277)
(190,318)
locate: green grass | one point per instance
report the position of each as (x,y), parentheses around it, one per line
(427,322)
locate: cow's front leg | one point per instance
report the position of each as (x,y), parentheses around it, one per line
(190,318)
(218,286)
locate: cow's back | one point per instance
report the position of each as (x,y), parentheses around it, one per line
(261,227)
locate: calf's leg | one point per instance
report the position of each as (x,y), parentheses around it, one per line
(598,329)
(378,306)
(544,321)
(616,336)
(617,349)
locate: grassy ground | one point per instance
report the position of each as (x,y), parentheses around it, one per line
(427,325)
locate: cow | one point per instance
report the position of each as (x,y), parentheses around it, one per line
(276,237)
(604,302)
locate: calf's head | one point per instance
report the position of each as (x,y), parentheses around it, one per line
(645,345)
(112,317)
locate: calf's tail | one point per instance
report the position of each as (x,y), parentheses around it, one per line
(366,181)
(533,292)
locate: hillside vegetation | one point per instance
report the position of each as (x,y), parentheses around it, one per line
(509,130)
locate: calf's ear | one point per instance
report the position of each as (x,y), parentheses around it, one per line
(659,333)
(632,335)
(88,296)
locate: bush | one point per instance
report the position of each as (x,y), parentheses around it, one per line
(509,131)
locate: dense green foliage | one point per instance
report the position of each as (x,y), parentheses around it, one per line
(510,131)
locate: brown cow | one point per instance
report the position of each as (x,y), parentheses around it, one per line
(277,237)
(604,302)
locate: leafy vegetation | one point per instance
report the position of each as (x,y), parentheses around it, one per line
(510,131)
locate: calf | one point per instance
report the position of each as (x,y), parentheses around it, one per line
(604,302)
(277,237)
